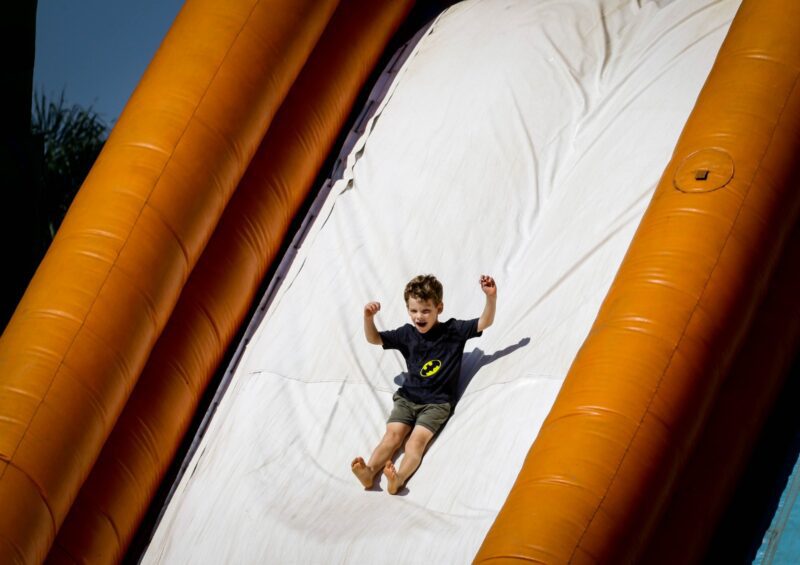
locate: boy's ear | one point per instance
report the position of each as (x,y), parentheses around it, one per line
(440,307)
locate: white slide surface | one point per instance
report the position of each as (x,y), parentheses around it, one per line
(521,139)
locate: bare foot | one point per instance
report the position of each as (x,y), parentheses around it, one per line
(362,472)
(395,482)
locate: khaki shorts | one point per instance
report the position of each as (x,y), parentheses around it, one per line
(430,416)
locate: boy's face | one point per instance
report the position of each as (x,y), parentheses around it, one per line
(424,313)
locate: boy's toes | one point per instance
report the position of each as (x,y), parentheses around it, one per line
(391,476)
(362,472)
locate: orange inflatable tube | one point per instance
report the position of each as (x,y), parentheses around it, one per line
(606,459)
(745,400)
(222,286)
(79,338)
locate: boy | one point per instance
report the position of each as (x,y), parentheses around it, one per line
(433,352)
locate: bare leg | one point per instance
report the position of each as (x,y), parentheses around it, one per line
(392,440)
(415,448)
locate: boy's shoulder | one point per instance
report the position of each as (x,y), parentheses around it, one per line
(462,328)
(456,328)
(405,329)
(456,322)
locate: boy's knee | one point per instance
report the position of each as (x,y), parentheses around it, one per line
(394,437)
(415,443)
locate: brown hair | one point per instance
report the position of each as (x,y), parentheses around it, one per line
(424,287)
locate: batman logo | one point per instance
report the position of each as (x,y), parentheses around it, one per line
(430,368)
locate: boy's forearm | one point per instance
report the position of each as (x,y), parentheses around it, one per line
(371,332)
(487,317)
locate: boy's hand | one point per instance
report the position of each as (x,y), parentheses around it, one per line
(488,285)
(489,288)
(370,331)
(371,309)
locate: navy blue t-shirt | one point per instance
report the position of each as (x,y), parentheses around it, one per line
(433,359)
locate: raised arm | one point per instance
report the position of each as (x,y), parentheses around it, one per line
(370,331)
(489,288)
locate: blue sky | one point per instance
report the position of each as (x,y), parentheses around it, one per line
(97,50)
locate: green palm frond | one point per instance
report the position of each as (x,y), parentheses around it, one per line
(71,138)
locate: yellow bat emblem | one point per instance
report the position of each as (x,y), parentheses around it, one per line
(430,368)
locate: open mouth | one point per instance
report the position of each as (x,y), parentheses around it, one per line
(421,325)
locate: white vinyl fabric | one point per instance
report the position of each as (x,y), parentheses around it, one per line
(521,139)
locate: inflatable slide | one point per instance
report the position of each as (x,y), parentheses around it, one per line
(626,171)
